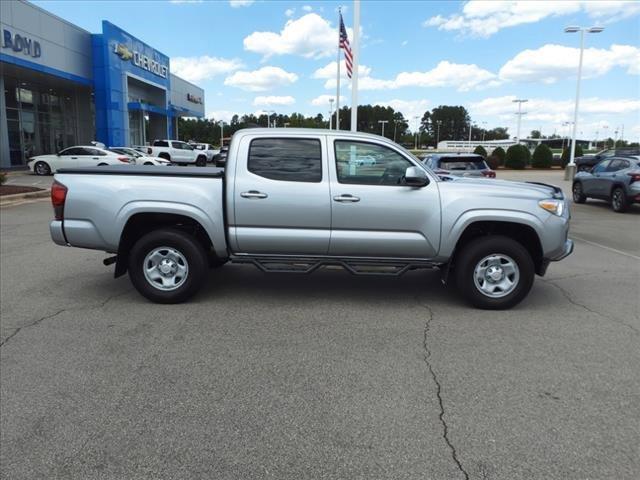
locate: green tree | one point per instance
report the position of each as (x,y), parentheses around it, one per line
(535,134)
(566,153)
(453,122)
(500,154)
(542,157)
(517,157)
(479,150)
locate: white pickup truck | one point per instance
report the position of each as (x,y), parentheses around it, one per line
(177,152)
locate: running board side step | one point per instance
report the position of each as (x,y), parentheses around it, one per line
(353,265)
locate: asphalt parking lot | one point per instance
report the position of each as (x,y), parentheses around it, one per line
(327,376)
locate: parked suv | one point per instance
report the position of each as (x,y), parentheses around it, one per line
(587,162)
(177,152)
(616,180)
(459,165)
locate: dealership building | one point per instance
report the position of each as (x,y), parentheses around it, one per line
(66,86)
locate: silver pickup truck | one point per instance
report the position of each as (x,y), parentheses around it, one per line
(295,200)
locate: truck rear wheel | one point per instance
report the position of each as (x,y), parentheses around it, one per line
(167,266)
(494,272)
(201,161)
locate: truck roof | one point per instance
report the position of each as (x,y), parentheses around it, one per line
(309,131)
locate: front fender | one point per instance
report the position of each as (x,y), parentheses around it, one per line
(452,232)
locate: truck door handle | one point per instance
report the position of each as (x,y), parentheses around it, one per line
(74,158)
(253,194)
(346,198)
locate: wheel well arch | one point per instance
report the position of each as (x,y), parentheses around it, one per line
(164,155)
(145,222)
(521,233)
(616,185)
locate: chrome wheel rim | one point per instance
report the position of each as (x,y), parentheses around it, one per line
(165,268)
(41,168)
(496,275)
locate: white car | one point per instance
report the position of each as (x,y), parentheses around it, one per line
(73,157)
(139,158)
(363,160)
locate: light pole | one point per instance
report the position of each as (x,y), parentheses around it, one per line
(416,119)
(470,130)
(331,100)
(570,171)
(395,129)
(269,112)
(439,122)
(221,123)
(383,122)
(520,101)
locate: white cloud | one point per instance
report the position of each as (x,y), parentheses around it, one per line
(553,111)
(483,18)
(463,77)
(323,100)
(262,79)
(550,63)
(307,8)
(409,108)
(289,12)
(329,70)
(309,36)
(240,3)
(266,101)
(218,115)
(195,69)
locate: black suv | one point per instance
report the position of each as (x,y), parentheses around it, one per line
(587,162)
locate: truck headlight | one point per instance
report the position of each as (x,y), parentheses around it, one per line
(552,206)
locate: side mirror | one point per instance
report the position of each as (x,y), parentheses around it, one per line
(416,177)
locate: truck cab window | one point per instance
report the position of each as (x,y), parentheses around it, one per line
(286,159)
(369,164)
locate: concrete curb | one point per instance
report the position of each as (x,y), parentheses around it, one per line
(11,173)
(6,200)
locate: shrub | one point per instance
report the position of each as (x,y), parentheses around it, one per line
(500,154)
(493,162)
(517,157)
(479,150)
(3,178)
(566,153)
(542,157)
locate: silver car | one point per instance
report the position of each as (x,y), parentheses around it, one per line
(459,165)
(616,180)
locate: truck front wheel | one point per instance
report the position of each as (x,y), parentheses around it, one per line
(167,266)
(494,272)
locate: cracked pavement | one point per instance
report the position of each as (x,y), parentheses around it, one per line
(324,376)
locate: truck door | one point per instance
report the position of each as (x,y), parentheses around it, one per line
(373,213)
(281,196)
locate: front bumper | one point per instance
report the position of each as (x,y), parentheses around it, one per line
(568,250)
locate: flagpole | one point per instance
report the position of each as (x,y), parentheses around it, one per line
(356,60)
(338,77)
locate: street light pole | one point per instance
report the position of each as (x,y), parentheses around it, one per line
(416,119)
(383,122)
(331,113)
(269,112)
(221,123)
(395,129)
(439,122)
(570,171)
(470,129)
(520,113)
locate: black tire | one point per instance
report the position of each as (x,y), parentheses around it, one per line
(148,163)
(187,246)
(578,193)
(474,252)
(42,168)
(619,200)
(201,161)
(165,156)
(103,164)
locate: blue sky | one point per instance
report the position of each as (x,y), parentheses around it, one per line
(277,55)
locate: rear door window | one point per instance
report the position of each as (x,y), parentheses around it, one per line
(462,164)
(286,159)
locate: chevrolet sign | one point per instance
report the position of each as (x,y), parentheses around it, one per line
(141,60)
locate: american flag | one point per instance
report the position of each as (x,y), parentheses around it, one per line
(344,44)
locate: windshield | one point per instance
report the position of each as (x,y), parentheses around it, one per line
(462,164)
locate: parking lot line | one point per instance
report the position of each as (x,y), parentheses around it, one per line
(620,252)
